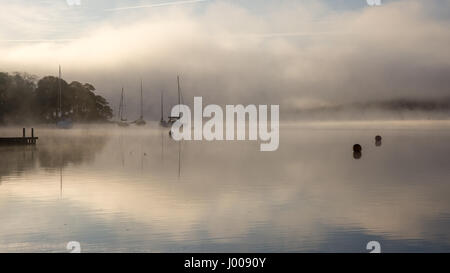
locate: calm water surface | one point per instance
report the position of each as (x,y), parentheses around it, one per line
(136,190)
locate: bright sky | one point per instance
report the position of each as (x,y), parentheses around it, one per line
(32,21)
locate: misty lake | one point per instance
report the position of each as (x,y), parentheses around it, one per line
(137,190)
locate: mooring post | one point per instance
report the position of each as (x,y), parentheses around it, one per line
(23,132)
(32,132)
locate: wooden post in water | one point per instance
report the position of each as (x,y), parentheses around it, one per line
(24,140)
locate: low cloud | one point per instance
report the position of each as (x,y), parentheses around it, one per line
(298,55)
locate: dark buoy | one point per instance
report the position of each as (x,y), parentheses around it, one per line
(357,155)
(378,141)
(357,148)
(357,151)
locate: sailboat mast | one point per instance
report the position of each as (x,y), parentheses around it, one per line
(142,106)
(123,103)
(179,96)
(59,87)
(121,106)
(162,110)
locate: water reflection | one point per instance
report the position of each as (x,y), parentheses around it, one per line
(126,191)
(58,151)
(54,151)
(357,155)
(16,159)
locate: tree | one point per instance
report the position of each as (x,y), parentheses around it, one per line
(21,99)
(16,97)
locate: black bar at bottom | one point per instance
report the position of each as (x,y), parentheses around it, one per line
(233,262)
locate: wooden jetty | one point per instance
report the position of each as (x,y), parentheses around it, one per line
(24,140)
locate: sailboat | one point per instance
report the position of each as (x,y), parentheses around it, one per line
(172,119)
(141,121)
(122,122)
(163,122)
(63,122)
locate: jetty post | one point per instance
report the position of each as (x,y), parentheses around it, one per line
(24,140)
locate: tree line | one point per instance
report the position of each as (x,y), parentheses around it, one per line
(23,98)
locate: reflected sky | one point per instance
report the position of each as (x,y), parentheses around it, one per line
(136,190)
